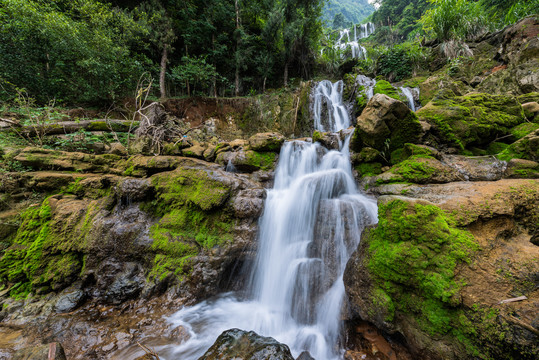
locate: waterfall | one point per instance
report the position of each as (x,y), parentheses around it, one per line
(344,42)
(312,222)
(328,97)
(368,85)
(410,98)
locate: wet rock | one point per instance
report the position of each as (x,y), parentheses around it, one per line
(133,190)
(249,203)
(387,123)
(196,151)
(483,168)
(330,141)
(120,281)
(305,356)
(520,168)
(266,142)
(242,345)
(52,351)
(117,148)
(69,300)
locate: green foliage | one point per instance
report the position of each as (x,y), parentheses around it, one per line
(73,51)
(396,62)
(397,19)
(454,20)
(520,9)
(195,71)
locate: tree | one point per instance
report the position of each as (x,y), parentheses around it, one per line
(155,16)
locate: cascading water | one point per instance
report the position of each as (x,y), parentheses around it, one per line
(409,94)
(330,113)
(312,222)
(344,42)
(367,85)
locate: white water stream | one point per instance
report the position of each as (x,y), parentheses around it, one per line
(312,222)
(409,94)
(330,113)
(344,41)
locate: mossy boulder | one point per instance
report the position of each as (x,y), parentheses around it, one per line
(385,88)
(471,120)
(420,274)
(526,148)
(386,124)
(248,161)
(266,142)
(522,169)
(419,169)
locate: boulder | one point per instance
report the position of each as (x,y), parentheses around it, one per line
(196,151)
(247,160)
(426,271)
(387,124)
(242,345)
(52,351)
(522,169)
(69,300)
(531,109)
(526,148)
(266,142)
(471,120)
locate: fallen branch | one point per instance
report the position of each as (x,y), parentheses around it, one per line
(149,351)
(520,298)
(68,127)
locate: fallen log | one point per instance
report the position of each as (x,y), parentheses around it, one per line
(69,127)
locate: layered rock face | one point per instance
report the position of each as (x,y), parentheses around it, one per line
(117,233)
(453,269)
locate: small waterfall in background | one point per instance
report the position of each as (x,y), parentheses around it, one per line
(312,222)
(368,85)
(330,113)
(230,167)
(411,94)
(344,42)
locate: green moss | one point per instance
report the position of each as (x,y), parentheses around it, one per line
(523,129)
(317,135)
(472,120)
(28,263)
(190,187)
(496,148)
(413,257)
(369,169)
(190,203)
(260,160)
(384,87)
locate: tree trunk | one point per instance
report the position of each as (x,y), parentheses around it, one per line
(164,61)
(237,75)
(264,85)
(286,74)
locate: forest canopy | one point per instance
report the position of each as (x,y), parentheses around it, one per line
(90,51)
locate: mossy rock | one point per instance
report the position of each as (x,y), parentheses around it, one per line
(526,148)
(386,124)
(384,87)
(412,258)
(409,150)
(369,169)
(527,98)
(472,120)
(191,204)
(419,169)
